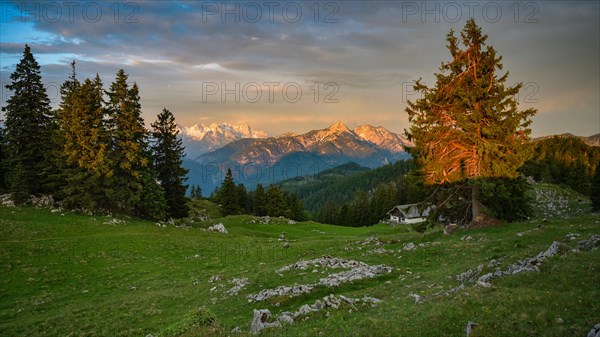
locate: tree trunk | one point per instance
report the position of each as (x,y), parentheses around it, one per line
(475,204)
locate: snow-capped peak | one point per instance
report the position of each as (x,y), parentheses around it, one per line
(338,127)
(199,138)
(199,131)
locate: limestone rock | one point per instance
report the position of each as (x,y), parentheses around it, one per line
(260,319)
(218,228)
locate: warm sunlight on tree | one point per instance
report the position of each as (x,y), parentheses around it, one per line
(468,126)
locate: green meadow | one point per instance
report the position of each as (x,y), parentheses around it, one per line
(67,274)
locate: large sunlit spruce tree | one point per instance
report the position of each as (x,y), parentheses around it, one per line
(468,126)
(29,128)
(168,152)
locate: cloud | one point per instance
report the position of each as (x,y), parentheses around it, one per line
(369,49)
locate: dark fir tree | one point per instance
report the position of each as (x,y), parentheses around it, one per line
(275,202)
(296,208)
(134,188)
(168,152)
(259,206)
(242,198)
(329,214)
(359,210)
(227,195)
(198,192)
(2,159)
(468,126)
(595,189)
(29,129)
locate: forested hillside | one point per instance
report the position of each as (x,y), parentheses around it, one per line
(563,160)
(340,185)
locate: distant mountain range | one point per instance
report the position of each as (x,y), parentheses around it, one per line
(591,140)
(199,138)
(268,160)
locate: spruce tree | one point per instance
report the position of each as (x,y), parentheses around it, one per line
(275,202)
(198,194)
(468,125)
(259,205)
(296,208)
(168,152)
(134,189)
(29,130)
(242,198)
(228,196)
(2,158)
(595,190)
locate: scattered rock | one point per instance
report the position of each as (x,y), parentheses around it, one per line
(114,222)
(466,238)
(469,328)
(285,318)
(238,284)
(283,236)
(588,244)
(286,245)
(370,240)
(415,297)
(214,278)
(292,291)
(379,250)
(409,246)
(7,201)
(325,261)
(572,236)
(260,319)
(42,201)
(261,316)
(218,228)
(358,271)
(236,330)
(595,331)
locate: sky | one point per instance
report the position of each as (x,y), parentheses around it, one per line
(284,66)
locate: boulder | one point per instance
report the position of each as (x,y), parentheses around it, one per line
(218,228)
(260,319)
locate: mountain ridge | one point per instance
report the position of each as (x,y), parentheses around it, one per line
(593,140)
(362,142)
(289,155)
(199,138)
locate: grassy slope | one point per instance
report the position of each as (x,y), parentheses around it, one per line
(74,275)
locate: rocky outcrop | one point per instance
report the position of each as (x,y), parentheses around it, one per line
(292,291)
(217,228)
(324,261)
(259,321)
(358,271)
(261,316)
